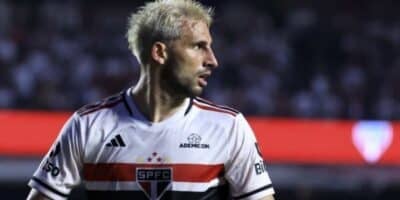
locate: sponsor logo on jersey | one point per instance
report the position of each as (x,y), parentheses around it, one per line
(117,141)
(154,182)
(194,141)
(260,167)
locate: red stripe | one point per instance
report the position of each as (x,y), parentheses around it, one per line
(127,172)
(99,107)
(199,98)
(204,101)
(216,109)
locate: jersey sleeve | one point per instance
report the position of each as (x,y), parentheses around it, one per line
(60,169)
(246,171)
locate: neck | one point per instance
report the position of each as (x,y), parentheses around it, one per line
(155,102)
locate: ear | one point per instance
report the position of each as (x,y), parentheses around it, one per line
(159,53)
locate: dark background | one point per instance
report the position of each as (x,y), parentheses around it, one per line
(308,59)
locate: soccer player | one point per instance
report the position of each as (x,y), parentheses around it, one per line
(158,140)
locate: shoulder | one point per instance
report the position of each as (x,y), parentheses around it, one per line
(214,109)
(221,115)
(104,104)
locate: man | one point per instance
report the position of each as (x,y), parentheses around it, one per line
(158,140)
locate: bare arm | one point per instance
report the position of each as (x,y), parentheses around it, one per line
(270,197)
(36,195)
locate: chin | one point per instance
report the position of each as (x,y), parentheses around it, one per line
(188,90)
(196,91)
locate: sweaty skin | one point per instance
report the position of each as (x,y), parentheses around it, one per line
(190,60)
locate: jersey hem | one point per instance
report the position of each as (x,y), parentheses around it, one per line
(257,193)
(46,189)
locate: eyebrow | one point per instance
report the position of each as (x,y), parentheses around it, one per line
(202,41)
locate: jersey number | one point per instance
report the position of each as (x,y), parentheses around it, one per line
(50,167)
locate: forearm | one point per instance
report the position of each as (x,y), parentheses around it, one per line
(36,195)
(270,197)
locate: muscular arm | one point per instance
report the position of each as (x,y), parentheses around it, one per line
(270,197)
(36,195)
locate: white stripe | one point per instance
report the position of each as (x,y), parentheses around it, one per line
(132,186)
(197,187)
(111,185)
(153,190)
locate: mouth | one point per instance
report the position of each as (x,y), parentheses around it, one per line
(203,79)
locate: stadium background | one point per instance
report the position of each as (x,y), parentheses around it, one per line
(313,76)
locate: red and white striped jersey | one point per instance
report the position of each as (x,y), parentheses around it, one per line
(202,151)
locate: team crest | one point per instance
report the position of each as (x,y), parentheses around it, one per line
(154,182)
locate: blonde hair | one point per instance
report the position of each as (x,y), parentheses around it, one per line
(161,20)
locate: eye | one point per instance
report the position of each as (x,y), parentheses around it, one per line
(199,45)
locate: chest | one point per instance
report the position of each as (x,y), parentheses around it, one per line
(180,144)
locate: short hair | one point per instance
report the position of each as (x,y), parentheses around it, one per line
(162,21)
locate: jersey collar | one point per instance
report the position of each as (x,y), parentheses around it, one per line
(137,115)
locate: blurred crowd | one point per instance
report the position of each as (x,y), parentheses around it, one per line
(283,58)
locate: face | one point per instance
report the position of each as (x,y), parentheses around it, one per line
(190,60)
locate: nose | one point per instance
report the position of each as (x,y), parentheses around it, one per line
(211,60)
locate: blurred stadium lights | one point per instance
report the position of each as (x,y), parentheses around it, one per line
(310,153)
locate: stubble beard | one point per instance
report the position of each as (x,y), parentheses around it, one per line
(178,85)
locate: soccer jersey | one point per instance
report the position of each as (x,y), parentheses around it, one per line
(202,151)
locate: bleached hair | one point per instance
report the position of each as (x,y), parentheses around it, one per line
(161,20)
